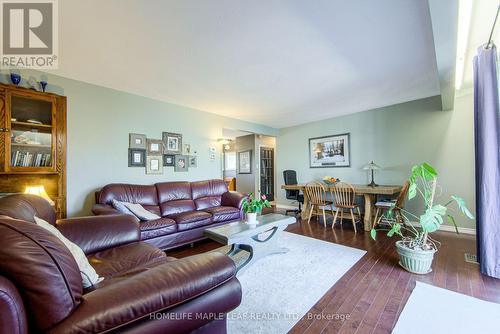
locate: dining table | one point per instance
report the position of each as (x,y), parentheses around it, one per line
(369,194)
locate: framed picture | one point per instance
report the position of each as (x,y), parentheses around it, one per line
(193,161)
(330,151)
(137,140)
(154,164)
(186,149)
(168,160)
(136,157)
(212,157)
(172,142)
(155,146)
(245,162)
(181,163)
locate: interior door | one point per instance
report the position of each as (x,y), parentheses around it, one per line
(267,172)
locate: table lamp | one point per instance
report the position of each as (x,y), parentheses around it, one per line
(371,167)
(38,191)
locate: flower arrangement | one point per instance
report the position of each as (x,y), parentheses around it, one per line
(253,205)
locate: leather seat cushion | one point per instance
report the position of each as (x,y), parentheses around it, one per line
(118,260)
(223,213)
(191,219)
(157,227)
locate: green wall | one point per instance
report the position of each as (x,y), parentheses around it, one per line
(396,138)
(99,121)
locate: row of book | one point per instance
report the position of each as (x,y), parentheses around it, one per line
(30,159)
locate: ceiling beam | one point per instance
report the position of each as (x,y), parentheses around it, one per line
(444,18)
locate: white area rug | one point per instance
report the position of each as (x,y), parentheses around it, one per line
(278,290)
(435,310)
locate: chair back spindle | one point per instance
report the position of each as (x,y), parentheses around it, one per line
(315,193)
(344,195)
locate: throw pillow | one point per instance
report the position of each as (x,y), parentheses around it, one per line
(89,275)
(120,206)
(141,213)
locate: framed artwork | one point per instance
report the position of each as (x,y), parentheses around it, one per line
(168,160)
(181,163)
(155,146)
(172,142)
(137,140)
(245,162)
(186,149)
(136,157)
(154,164)
(211,153)
(193,161)
(330,151)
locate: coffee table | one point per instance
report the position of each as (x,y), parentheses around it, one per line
(258,240)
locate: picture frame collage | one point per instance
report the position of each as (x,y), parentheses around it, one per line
(155,154)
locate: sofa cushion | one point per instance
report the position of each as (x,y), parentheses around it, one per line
(223,213)
(42,268)
(155,228)
(191,219)
(207,194)
(118,260)
(132,193)
(175,197)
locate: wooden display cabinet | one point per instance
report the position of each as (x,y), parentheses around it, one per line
(33,142)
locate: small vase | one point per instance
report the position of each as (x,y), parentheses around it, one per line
(43,84)
(15,78)
(252,218)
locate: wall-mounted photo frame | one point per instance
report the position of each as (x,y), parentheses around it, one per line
(181,163)
(137,140)
(193,161)
(168,160)
(154,164)
(172,142)
(186,149)
(330,151)
(245,162)
(155,146)
(136,157)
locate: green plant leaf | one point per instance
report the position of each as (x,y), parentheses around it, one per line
(439,209)
(462,206)
(373,233)
(431,219)
(412,190)
(428,171)
(394,229)
(452,220)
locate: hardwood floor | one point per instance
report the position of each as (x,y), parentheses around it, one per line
(372,294)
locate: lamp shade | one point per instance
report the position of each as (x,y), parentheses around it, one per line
(38,191)
(372,166)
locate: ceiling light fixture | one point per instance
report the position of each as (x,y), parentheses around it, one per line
(464,18)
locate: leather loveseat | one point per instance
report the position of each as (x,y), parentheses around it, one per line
(143,290)
(186,208)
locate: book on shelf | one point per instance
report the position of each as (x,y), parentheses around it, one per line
(30,159)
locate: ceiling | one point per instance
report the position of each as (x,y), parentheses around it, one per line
(274,62)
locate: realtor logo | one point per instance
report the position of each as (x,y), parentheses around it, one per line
(29,34)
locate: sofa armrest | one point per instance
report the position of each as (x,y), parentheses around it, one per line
(158,289)
(12,314)
(233,198)
(95,233)
(104,209)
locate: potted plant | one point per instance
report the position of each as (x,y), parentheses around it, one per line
(416,248)
(252,206)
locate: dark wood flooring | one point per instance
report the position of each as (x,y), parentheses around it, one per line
(372,294)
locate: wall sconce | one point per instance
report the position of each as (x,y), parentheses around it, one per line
(39,191)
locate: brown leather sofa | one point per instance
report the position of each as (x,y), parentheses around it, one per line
(186,208)
(144,291)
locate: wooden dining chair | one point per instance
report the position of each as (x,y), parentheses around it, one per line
(396,206)
(316,198)
(344,198)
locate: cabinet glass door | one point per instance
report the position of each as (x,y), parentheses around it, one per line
(31,133)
